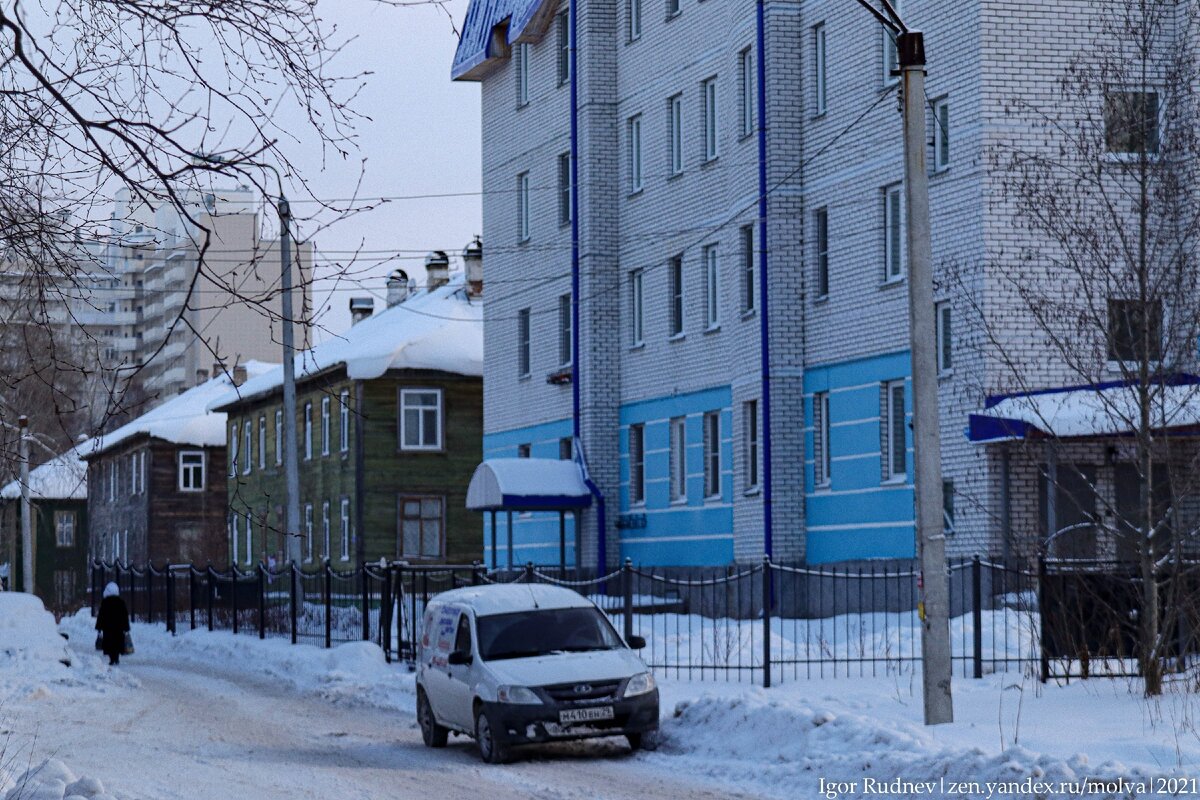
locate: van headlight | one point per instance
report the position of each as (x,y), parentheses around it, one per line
(642,683)
(518,695)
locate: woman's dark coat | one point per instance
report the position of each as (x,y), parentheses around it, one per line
(113,621)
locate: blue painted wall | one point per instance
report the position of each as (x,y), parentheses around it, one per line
(859,515)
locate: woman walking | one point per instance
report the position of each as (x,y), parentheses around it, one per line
(113,623)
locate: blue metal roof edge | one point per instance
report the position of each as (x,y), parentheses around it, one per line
(1174,379)
(982,428)
(474,46)
(547,502)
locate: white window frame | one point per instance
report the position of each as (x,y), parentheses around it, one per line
(439,419)
(562,25)
(750,443)
(524,343)
(523,226)
(637,320)
(820,69)
(892,448)
(894,264)
(344,414)
(746,86)
(345,529)
(522,54)
(677,316)
(325,527)
(941,133)
(634,131)
(179,469)
(677,455)
(749,285)
(565,331)
(64,528)
(821,240)
(708,94)
(235,543)
(890,52)
(673,8)
(421,519)
(712,455)
(712,288)
(1134,155)
(133,473)
(633,9)
(944,319)
(675,133)
(278,436)
(308,533)
(235,441)
(637,467)
(326,428)
(308,431)
(822,462)
(262,441)
(248,447)
(249,538)
(564,189)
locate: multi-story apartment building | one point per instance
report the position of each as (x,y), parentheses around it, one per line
(695,217)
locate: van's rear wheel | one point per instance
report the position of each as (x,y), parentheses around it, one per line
(433,734)
(491,750)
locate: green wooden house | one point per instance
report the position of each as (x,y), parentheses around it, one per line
(389,430)
(58,499)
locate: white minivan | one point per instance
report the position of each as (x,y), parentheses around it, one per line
(520,663)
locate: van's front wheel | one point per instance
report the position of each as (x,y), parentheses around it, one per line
(433,734)
(491,750)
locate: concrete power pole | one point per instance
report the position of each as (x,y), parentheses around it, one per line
(26,509)
(291,465)
(934,606)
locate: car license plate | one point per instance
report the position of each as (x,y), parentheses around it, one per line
(585,714)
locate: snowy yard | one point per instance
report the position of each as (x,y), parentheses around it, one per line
(210,715)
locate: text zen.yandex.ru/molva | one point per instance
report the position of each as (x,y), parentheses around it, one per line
(1027,787)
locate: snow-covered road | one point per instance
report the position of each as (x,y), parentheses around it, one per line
(191,731)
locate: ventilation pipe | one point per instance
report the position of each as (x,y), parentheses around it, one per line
(397,287)
(437,269)
(361,308)
(473,262)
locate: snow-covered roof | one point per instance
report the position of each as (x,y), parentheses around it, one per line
(184,419)
(477,51)
(507,598)
(440,329)
(525,484)
(63,477)
(1107,410)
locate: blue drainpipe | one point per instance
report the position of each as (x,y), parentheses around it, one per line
(601,550)
(764,329)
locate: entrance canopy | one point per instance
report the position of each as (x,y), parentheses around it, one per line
(1080,412)
(527,484)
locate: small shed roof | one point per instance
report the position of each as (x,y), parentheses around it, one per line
(63,477)
(527,484)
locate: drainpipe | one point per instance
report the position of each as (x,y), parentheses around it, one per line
(601,549)
(763,283)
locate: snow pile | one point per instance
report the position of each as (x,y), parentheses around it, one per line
(50,780)
(63,477)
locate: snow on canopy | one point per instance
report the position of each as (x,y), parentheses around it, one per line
(1109,410)
(527,484)
(63,477)
(184,419)
(439,329)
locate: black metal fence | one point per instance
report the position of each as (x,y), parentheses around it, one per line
(764,623)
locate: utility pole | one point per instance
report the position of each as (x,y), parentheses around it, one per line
(291,466)
(934,608)
(26,521)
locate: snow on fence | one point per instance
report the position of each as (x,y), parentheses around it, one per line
(698,623)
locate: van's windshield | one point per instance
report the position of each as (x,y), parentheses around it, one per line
(543,632)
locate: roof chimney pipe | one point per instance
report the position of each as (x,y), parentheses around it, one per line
(397,287)
(473,261)
(437,269)
(361,308)
(239,374)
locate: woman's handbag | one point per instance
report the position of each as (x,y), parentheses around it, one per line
(128,651)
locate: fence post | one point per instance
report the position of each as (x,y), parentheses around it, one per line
(627,596)
(192,595)
(977,613)
(262,601)
(295,598)
(475,570)
(366,604)
(92,594)
(208,578)
(766,603)
(170,600)
(149,592)
(529,572)
(1045,656)
(385,614)
(328,605)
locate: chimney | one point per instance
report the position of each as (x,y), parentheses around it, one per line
(218,368)
(437,269)
(473,261)
(201,376)
(397,287)
(239,374)
(361,308)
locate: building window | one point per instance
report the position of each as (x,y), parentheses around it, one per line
(325,425)
(821,235)
(636,316)
(712,289)
(524,450)
(564,330)
(249,538)
(634,7)
(564,189)
(523,207)
(191,471)
(235,540)
(247,447)
(308,533)
(345,529)
(635,153)
(1131,121)
(748,284)
(891,56)
(278,437)
(523,343)
(945,341)
(941,134)
(308,431)
(234,439)
(562,26)
(893,432)
(822,465)
(114,473)
(566,449)
(750,442)
(133,473)
(1129,323)
(746,90)
(262,442)
(819,80)
(420,419)
(893,240)
(675,132)
(708,94)
(522,59)
(948,507)
(64,528)
(637,463)
(677,452)
(421,527)
(344,412)
(712,454)
(675,270)
(325,528)
(672,7)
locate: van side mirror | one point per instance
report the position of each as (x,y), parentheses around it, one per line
(637,642)
(459,658)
